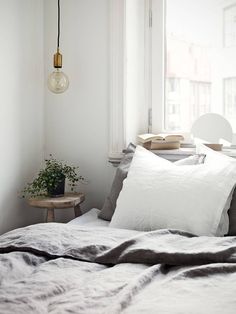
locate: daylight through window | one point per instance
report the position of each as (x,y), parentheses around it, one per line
(200,71)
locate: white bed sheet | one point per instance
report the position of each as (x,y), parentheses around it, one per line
(90,219)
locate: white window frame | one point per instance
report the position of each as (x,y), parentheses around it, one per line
(157,42)
(155,45)
(154,80)
(157,66)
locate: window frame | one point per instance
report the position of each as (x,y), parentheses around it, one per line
(154,74)
(157,66)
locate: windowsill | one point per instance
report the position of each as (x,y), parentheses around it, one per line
(183,152)
(177,154)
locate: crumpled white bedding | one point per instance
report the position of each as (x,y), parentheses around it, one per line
(90,219)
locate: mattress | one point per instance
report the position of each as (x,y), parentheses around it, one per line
(90,219)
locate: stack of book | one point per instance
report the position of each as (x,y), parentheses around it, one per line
(160,141)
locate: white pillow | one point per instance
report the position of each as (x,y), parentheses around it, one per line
(191,160)
(158,194)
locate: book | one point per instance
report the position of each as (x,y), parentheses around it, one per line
(161,145)
(145,138)
(148,137)
(169,137)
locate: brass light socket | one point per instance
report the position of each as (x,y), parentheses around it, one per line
(57,60)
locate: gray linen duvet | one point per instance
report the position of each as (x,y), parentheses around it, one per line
(58,268)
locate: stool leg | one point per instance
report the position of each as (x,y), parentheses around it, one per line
(50,215)
(77,210)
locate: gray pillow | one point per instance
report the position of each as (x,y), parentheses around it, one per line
(232,216)
(109,206)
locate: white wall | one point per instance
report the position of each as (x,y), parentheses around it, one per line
(77,121)
(21,106)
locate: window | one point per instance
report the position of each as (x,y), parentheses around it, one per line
(193,86)
(200,93)
(230,99)
(196,42)
(171,62)
(230,26)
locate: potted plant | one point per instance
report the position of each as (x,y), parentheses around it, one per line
(50,180)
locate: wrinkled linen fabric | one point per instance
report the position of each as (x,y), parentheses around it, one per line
(57,268)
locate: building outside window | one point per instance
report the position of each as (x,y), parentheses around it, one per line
(188,84)
(230,99)
(230,26)
(200,63)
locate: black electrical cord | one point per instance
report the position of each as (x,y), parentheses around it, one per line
(58,23)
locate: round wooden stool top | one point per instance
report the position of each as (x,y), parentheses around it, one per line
(68,200)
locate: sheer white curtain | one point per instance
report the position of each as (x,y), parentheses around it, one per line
(129,102)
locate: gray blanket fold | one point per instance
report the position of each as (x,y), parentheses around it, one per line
(57,268)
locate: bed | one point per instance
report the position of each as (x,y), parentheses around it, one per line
(92,265)
(90,219)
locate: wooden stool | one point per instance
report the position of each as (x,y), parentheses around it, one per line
(69,200)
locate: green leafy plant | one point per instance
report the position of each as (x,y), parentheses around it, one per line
(50,177)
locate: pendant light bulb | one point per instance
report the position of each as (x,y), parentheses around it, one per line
(58,81)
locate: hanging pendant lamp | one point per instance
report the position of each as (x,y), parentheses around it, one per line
(58,81)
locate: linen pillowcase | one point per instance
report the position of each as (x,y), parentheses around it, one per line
(228,215)
(191,160)
(109,206)
(157,194)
